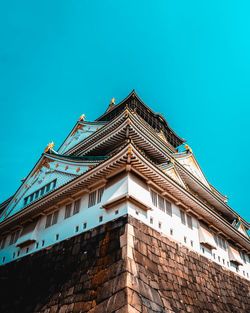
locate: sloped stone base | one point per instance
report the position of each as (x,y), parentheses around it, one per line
(122,266)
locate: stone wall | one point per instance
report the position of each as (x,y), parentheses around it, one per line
(122,266)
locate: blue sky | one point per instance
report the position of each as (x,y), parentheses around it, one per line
(188,60)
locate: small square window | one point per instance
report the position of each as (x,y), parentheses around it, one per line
(37,244)
(203,250)
(214,255)
(223,261)
(244,273)
(247,275)
(57,236)
(100,218)
(43,242)
(27,250)
(159,224)
(3,259)
(219,258)
(85,225)
(116,212)
(151,220)
(192,243)
(18,253)
(77,228)
(228,264)
(137,212)
(185,239)
(171,232)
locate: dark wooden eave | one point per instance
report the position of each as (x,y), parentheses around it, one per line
(155,120)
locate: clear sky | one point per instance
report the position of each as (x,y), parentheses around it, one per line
(189,60)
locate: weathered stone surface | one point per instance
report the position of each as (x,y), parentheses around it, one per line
(123,266)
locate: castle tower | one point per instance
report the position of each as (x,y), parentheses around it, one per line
(121,218)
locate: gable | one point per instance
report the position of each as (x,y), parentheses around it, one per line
(48,174)
(81,131)
(241,229)
(172,172)
(190,163)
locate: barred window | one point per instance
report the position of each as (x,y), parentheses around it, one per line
(51,219)
(154,197)
(92,199)
(215,239)
(76,207)
(168,207)
(54,218)
(47,187)
(189,222)
(25,200)
(161,203)
(183,219)
(68,210)
(99,195)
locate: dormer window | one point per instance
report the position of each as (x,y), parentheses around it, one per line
(39,193)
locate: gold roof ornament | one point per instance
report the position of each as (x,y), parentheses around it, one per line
(49,147)
(82,118)
(188,148)
(112,102)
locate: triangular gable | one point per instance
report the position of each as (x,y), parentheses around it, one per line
(81,130)
(241,228)
(172,172)
(189,161)
(49,173)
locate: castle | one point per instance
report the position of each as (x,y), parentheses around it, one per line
(128,164)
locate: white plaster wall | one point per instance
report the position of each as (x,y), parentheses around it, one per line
(123,185)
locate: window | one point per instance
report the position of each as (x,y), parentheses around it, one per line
(25,200)
(100,218)
(192,243)
(51,219)
(159,224)
(116,212)
(42,191)
(92,199)
(2,243)
(183,219)
(171,232)
(189,222)
(76,228)
(48,220)
(99,194)
(185,239)
(47,187)
(36,194)
(203,250)
(37,244)
(243,257)
(161,203)
(76,207)
(27,250)
(219,258)
(18,253)
(151,220)
(43,242)
(3,258)
(31,197)
(53,184)
(14,236)
(55,217)
(68,210)
(153,197)
(85,225)
(168,207)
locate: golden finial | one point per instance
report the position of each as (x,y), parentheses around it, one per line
(49,147)
(112,101)
(82,118)
(188,148)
